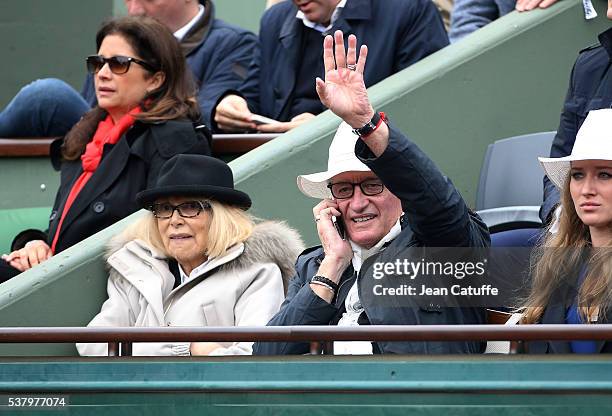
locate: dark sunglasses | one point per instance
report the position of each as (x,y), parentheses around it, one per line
(117,64)
(189,209)
(344,190)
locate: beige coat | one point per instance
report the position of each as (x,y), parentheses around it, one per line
(246,288)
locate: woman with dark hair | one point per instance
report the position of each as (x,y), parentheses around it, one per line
(572,278)
(146,114)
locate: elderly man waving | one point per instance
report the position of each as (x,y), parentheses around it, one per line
(389,195)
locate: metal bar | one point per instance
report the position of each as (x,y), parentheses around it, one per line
(113,349)
(309,333)
(25,146)
(222,144)
(126,349)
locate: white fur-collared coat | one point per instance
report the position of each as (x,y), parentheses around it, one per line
(245,287)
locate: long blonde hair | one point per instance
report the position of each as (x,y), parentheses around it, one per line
(559,259)
(229,226)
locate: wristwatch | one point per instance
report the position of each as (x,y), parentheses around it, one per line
(371,125)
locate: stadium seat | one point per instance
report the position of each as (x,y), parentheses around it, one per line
(509,192)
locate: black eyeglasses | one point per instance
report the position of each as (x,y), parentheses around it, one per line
(189,209)
(117,64)
(344,190)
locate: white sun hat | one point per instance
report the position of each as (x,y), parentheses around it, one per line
(593,142)
(341,159)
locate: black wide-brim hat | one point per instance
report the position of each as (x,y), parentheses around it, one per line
(195,175)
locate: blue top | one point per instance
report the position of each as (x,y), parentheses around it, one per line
(573,317)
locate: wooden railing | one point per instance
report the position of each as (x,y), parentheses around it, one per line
(122,338)
(223,144)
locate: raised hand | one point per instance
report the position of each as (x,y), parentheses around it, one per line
(343,91)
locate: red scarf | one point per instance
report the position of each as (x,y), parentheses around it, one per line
(107,133)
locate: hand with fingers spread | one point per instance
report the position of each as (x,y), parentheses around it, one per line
(233,114)
(34,253)
(526,5)
(343,91)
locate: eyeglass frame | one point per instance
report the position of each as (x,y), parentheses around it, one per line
(353,184)
(106,61)
(204,206)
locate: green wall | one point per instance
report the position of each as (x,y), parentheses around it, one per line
(317,385)
(43,39)
(244,13)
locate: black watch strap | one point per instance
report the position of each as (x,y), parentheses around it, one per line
(333,285)
(371,125)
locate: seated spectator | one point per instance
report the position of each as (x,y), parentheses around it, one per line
(280,84)
(572,279)
(197,259)
(145,115)
(470,15)
(217,53)
(444,7)
(590,88)
(389,196)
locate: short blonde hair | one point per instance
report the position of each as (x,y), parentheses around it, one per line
(229,226)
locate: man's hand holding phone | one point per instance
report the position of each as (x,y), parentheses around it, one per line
(338,252)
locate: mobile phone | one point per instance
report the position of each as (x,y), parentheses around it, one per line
(339,225)
(257,119)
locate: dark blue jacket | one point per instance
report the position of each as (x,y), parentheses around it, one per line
(218,55)
(435,216)
(398,33)
(590,89)
(560,301)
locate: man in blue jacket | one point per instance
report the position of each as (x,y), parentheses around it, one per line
(280,83)
(217,53)
(390,196)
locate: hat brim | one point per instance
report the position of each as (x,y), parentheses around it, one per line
(557,168)
(217,193)
(314,185)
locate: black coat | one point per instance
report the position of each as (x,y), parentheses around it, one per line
(127,167)
(435,216)
(590,89)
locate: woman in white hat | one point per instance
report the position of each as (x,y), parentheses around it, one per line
(572,279)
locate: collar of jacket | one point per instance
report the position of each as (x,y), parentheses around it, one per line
(353,10)
(270,242)
(605,38)
(403,224)
(199,32)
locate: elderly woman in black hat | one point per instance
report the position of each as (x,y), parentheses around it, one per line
(197,259)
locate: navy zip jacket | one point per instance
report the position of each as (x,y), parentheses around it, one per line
(435,215)
(398,34)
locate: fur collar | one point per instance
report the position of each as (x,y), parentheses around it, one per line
(270,242)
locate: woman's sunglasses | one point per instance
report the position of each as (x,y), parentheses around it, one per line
(117,64)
